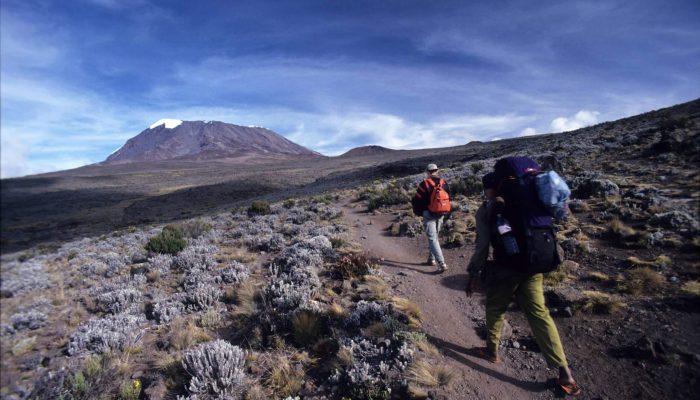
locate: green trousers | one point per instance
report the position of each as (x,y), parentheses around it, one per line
(530,296)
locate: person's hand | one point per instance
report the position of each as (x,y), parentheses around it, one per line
(469,290)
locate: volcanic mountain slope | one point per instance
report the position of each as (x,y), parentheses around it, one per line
(201,140)
(366,151)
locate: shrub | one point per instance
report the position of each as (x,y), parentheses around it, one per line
(28,320)
(235,273)
(259,207)
(203,296)
(355,265)
(116,301)
(368,370)
(22,278)
(130,390)
(468,186)
(390,195)
(476,167)
(169,241)
(167,310)
(216,369)
(195,228)
(115,332)
(196,257)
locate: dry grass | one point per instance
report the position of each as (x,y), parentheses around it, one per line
(281,373)
(246,298)
(598,277)
(641,280)
(692,288)
(337,311)
(420,340)
(306,327)
(375,287)
(618,230)
(601,303)
(255,391)
(411,309)
(375,330)
(210,319)
(240,254)
(427,374)
(555,277)
(345,357)
(184,334)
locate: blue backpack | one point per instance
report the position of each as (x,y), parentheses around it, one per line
(553,193)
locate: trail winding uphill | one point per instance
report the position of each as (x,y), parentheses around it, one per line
(449,317)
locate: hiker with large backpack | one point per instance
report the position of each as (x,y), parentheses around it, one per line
(518,225)
(432,202)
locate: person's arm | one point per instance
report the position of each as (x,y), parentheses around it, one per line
(481,248)
(483,241)
(418,200)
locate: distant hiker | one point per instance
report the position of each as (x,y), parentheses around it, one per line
(508,210)
(432,202)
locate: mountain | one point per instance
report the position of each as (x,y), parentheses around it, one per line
(366,151)
(204,140)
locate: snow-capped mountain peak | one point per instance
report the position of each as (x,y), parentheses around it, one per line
(169,123)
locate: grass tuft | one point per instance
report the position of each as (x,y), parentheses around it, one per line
(692,288)
(641,280)
(601,303)
(427,374)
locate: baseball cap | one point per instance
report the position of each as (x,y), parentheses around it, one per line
(432,167)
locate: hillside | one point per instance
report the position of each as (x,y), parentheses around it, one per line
(366,151)
(313,285)
(91,200)
(203,140)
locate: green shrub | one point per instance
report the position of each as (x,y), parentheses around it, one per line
(130,390)
(169,241)
(468,186)
(259,207)
(391,195)
(289,203)
(476,167)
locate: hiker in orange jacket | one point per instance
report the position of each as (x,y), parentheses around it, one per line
(432,221)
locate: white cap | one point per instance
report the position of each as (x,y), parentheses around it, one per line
(431,167)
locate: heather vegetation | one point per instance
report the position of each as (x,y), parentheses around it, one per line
(270,302)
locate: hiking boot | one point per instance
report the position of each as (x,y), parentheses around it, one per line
(431,262)
(442,268)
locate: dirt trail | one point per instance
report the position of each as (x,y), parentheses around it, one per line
(449,316)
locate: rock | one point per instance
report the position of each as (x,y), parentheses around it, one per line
(506,330)
(594,187)
(677,220)
(516,344)
(562,297)
(570,266)
(568,312)
(156,390)
(395,229)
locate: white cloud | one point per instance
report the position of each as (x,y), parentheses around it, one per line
(581,119)
(528,132)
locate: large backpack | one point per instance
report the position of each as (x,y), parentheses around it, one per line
(439,202)
(530,220)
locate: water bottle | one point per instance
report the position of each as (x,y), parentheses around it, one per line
(507,237)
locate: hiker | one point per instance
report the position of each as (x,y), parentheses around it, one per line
(431,201)
(503,281)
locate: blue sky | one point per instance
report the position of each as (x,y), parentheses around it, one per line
(80,77)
